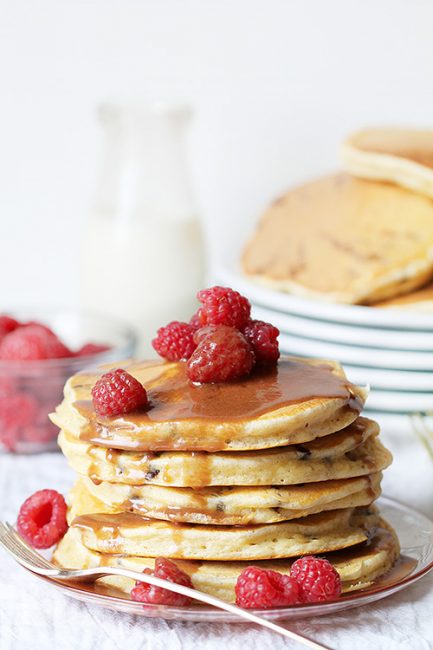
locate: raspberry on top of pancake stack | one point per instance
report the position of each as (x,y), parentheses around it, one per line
(225,466)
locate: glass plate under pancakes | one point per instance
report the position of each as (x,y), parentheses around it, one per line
(414,530)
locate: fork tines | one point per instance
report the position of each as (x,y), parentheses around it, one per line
(19,549)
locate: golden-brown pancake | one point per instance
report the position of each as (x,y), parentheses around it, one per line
(401,156)
(344,239)
(131,534)
(296,401)
(353,451)
(358,566)
(225,506)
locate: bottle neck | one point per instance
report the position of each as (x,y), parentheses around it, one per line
(143,171)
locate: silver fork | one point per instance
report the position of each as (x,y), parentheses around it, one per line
(422,431)
(30,559)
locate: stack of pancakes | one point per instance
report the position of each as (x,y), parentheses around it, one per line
(222,476)
(362,236)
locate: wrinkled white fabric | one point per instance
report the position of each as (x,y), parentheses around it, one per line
(36,616)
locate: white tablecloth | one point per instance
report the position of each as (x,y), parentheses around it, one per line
(35,616)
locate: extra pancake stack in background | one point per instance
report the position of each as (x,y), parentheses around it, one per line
(364,236)
(222,476)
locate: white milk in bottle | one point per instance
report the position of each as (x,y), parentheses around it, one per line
(142,252)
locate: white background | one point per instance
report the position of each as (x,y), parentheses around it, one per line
(275,84)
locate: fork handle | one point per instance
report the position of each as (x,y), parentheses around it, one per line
(91,574)
(28,558)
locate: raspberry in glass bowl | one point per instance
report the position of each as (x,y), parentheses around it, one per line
(38,352)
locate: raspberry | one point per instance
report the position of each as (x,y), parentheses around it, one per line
(32,342)
(42,519)
(202,332)
(7,386)
(195,321)
(91,348)
(317,579)
(262,589)
(7,325)
(17,411)
(175,341)
(118,392)
(222,354)
(40,326)
(38,434)
(263,339)
(45,387)
(9,440)
(223,306)
(167,570)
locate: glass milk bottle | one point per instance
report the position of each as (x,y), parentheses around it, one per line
(142,253)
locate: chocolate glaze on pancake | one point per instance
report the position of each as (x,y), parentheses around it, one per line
(173,398)
(321,459)
(224,506)
(131,534)
(358,566)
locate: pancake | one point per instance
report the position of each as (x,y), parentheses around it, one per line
(419,300)
(402,156)
(358,566)
(131,534)
(296,401)
(223,506)
(354,451)
(343,239)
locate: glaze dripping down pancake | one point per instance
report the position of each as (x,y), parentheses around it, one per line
(227,506)
(353,451)
(130,534)
(218,476)
(297,401)
(358,566)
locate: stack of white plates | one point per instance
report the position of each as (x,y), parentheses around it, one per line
(389,349)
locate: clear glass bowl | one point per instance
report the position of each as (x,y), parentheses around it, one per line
(30,390)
